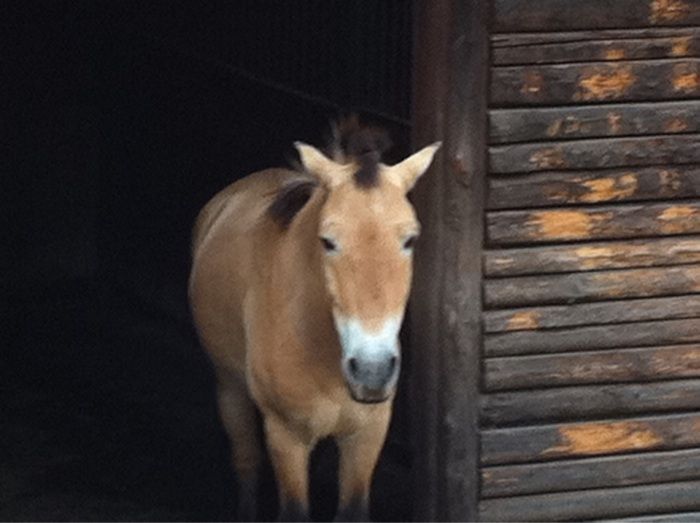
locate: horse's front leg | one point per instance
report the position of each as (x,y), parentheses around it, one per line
(359,453)
(289,454)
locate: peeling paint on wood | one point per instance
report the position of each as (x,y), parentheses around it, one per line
(668,11)
(604,438)
(548,159)
(598,84)
(681,46)
(607,189)
(686,78)
(565,224)
(614,54)
(527,320)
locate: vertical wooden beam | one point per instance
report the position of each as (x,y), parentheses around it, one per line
(450,100)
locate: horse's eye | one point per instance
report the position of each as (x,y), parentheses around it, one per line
(409,242)
(328,244)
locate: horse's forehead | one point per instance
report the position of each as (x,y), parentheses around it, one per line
(380,203)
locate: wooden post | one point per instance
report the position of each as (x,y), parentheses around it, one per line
(450,100)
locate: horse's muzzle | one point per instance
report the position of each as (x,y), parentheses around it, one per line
(372,380)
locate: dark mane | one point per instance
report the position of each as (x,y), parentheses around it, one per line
(364,145)
(289,200)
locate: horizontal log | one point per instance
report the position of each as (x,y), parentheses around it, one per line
(581,368)
(596,121)
(564,15)
(643,334)
(588,223)
(576,403)
(592,256)
(594,46)
(601,313)
(591,286)
(596,503)
(673,517)
(590,438)
(561,84)
(599,153)
(611,185)
(613,471)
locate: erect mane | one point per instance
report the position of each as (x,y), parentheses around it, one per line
(364,145)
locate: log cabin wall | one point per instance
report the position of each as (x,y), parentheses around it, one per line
(590,404)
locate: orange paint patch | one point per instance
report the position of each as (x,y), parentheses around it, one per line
(528,320)
(677,220)
(668,11)
(548,158)
(593,257)
(606,189)
(604,438)
(675,125)
(681,46)
(686,78)
(532,83)
(600,84)
(553,225)
(614,54)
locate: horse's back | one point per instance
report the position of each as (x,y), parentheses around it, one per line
(225,234)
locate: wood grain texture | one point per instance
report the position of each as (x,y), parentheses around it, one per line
(596,503)
(674,517)
(583,187)
(614,471)
(584,83)
(598,223)
(602,313)
(591,286)
(595,154)
(565,15)
(576,403)
(591,438)
(642,334)
(594,46)
(581,368)
(597,121)
(592,256)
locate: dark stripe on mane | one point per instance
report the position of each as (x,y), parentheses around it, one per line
(365,146)
(290,199)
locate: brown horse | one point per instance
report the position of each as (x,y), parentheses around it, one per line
(298,289)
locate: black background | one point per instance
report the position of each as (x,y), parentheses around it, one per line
(121,120)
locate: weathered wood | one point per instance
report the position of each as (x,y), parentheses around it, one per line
(571,188)
(565,15)
(595,82)
(675,517)
(614,471)
(591,286)
(451,72)
(598,223)
(580,368)
(577,403)
(596,121)
(592,256)
(593,46)
(532,318)
(596,503)
(595,154)
(643,334)
(591,438)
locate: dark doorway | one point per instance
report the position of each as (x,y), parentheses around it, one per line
(126,119)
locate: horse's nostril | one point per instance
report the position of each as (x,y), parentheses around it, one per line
(392,364)
(352,363)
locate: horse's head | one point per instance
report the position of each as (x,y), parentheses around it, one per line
(367,229)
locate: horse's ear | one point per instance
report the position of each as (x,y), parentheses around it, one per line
(318,164)
(407,172)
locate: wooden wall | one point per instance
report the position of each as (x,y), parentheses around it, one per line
(590,404)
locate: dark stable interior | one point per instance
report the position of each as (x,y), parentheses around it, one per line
(124,120)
